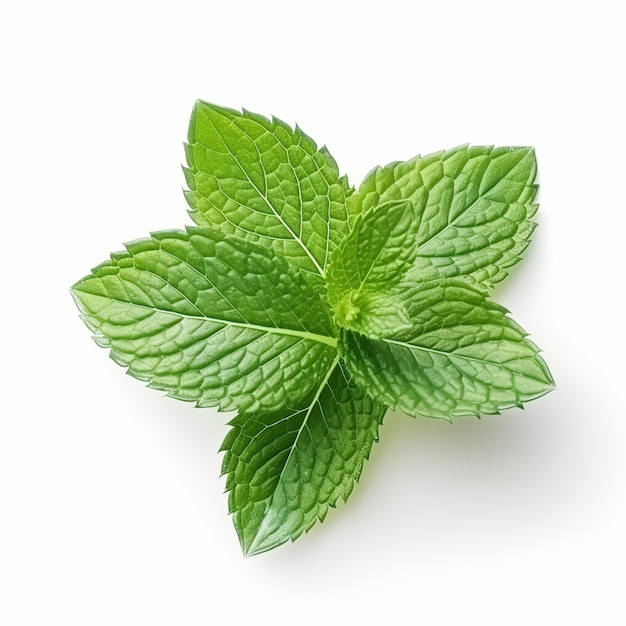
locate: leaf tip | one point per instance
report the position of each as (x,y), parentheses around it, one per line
(253,546)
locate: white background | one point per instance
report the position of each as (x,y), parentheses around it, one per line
(112,508)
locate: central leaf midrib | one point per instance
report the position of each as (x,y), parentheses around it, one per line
(293,447)
(325,339)
(452,355)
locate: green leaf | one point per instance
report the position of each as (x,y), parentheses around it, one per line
(375,315)
(224,323)
(261,180)
(285,469)
(474,206)
(463,356)
(370,261)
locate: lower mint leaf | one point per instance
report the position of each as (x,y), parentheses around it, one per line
(285,469)
(463,356)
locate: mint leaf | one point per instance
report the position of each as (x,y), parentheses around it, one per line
(261,180)
(373,314)
(308,308)
(463,356)
(377,253)
(373,258)
(474,206)
(216,322)
(285,469)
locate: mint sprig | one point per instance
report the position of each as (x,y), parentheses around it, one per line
(309,308)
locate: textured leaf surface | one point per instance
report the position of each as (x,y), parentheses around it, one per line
(224,323)
(373,314)
(259,179)
(474,206)
(373,258)
(463,356)
(285,469)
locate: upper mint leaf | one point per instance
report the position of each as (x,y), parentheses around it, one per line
(366,266)
(474,206)
(261,180)
(224,323)
(463,356)
(285,469)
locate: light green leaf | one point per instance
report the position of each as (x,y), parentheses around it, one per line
(375,315)
(224,323)
(263,181)
(463,356)
(370,261)
(474,206)
(285,469)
